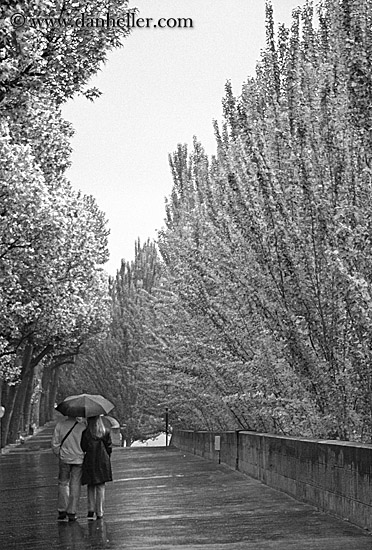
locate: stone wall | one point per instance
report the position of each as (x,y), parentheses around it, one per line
(334,476)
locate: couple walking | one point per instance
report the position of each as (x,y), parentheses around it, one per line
(84,450)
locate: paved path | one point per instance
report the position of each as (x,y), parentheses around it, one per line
(161,499)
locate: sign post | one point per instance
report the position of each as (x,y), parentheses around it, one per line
(217,446)
(166,425)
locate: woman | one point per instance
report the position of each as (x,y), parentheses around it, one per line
(97,446)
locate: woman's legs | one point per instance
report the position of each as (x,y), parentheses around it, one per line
(96,498)
(91,491)
(100,499)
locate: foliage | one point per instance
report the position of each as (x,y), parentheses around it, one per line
(270,242)
(53,240)
(55,60)
(121,365)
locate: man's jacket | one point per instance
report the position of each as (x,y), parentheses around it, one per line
(70,452)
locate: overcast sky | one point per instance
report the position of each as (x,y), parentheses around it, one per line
(162,88)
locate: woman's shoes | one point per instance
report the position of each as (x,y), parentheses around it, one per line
(91,516)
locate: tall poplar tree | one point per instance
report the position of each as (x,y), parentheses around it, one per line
(270,241)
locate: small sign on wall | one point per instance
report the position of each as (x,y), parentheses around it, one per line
(217,442)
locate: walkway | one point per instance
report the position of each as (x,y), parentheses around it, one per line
(161,499)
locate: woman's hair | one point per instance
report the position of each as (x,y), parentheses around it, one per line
(96,426)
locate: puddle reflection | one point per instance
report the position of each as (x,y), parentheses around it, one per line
(73,536)
(97,532)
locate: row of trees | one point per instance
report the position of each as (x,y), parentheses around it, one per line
(270,242)
(253,310)
(122,366)
(53,240)
(145,363)
(258,313)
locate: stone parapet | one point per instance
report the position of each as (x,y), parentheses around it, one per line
(334,476)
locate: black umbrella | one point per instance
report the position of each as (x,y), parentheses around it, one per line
(85,405)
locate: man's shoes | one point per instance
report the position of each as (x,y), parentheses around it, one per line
(62,516)
(99,517)
(90,515)
(71,517)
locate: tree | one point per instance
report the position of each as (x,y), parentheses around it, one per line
(54,297)
(53,240)
(50,54)
(122,365)
(270,241)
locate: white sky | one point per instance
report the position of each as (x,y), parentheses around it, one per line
(162,88)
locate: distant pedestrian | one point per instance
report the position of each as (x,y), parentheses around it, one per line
(97,446)
(66,445)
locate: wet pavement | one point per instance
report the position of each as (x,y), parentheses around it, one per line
(162,499)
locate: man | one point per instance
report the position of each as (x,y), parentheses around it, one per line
(66,445)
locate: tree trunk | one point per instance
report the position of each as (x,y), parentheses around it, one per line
(1,420)
(53,392)
(17,413)
(26,421)
(44,397)
(33,400)
(35,411)
(9,395)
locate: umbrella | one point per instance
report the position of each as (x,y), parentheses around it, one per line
(111,422)
(85,405)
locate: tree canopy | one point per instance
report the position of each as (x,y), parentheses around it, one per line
(253,309)
(268,243)
(53,240)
